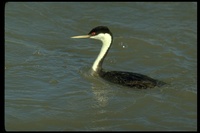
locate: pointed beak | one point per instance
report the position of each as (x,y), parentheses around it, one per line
(82,36)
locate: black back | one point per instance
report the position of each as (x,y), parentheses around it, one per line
(131,79)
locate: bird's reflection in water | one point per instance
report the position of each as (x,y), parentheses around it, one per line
(102,94)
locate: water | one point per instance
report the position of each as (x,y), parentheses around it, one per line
(48,86)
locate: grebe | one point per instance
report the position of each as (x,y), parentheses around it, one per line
(129,79)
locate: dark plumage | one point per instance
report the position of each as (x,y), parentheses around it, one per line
(130,79)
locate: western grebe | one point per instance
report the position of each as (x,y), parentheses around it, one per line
(129,79)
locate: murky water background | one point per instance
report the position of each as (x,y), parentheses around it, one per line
(47,81)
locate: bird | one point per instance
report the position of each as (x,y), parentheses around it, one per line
(129,79)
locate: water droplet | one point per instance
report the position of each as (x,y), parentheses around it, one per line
(37,52)
(123,45)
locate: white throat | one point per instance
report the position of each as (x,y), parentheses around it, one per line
(106,43)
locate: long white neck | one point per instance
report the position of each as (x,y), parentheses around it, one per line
(106,43)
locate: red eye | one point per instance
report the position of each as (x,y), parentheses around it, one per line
(93,33)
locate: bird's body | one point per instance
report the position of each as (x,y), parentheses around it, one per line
(129,79)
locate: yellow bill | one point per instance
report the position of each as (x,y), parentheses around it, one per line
(82,36)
